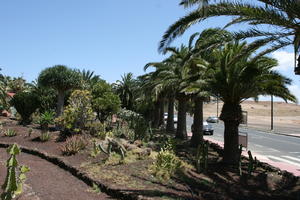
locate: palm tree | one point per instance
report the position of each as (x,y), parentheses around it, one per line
(170,73)
(196,68)
(62,79)
(125,88)
(282,15)
(237,75)
(89,78)
(162,88)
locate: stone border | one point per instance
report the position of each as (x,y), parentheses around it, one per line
(76,173)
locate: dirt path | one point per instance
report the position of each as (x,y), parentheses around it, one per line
(49,182)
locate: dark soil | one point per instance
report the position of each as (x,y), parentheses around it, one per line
(134,177)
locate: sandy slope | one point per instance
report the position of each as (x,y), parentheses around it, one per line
(286,115)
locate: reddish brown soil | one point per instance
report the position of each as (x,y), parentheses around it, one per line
(134,177)
(50,182)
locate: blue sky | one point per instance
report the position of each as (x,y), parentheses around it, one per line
(109,37)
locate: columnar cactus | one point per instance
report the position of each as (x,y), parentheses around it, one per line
(240,160)
(252,163)
(202,157)
(15,176)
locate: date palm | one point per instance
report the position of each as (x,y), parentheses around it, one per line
(236,75)
(283,16)
(125,88)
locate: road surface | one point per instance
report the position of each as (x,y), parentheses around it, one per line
(278,150)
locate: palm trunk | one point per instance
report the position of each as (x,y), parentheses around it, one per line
(60,103)
(181,124)
(231,115)
(156,115)
(170,120)
(197,137)
(161,111)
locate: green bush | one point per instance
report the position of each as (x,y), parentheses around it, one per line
(73,145)
(105,102)
(136,122)
(25,103)
(166,165)
(78,113)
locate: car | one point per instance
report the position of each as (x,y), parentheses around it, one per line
(166,117)
(207,129)
(212,119)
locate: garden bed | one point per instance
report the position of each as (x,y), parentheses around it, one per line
(133,179)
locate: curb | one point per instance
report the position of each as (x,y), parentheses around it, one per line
(75,172)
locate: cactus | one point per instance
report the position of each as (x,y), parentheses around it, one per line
(15,176)
(95,150)
(240,159)
(202,157)
(115,146)
(10,133)
(30,130)
(252,163)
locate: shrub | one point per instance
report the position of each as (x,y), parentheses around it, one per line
(78,113)
(73,145)
(99,130)
(10,133)
(136,122)
(166,165)
(45,136)
(105,102)
(46,119)
(25,103)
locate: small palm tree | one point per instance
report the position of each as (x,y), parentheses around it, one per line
(62,79)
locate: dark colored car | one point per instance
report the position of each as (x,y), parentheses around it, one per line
(212,119)
(207,129)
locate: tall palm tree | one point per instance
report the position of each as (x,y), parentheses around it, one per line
(196,68)
(282,15)
(237,75)
(162,88)
(62,79)
(170,72)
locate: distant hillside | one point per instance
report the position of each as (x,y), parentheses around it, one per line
(285,114)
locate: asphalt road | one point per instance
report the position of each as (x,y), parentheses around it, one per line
(281,150)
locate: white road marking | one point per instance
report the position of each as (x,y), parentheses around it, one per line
(296,152)
(258,145)
(273,149)
(284,160)
(292,158)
